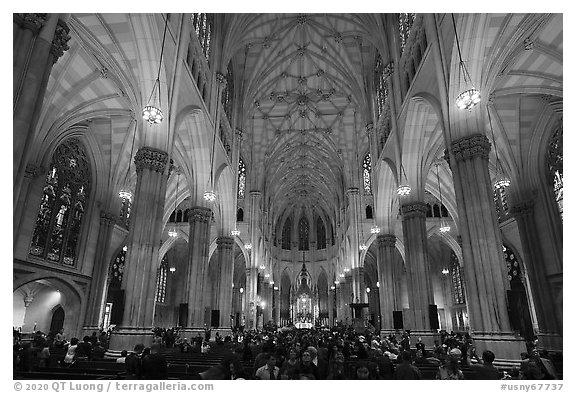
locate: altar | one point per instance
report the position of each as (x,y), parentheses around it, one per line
(303,325)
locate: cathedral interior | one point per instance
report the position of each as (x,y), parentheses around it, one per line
(396,171)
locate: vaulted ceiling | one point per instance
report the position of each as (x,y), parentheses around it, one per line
(306,106)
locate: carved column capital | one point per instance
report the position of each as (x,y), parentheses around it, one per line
(107,218)
(471,146)
(60,40)
(523,208)
(386,240)
(225,242)
(199,214)
(33,22)
(32,171)
(414,209)
(150,158)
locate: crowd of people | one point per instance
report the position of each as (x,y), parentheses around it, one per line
(287,354)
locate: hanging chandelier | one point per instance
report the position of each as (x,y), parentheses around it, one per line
(470,97)
(502,181)
(403,188)
(235,232)
(444,227)
(152,112)
(124,193)
(375,230)
(445,271)
(172,232)
(248,246)
(363,247)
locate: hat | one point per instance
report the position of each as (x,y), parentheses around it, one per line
(375,344)
(455,353)
(361,339)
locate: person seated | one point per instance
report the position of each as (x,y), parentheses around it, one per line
(84,350)
(486,369)
(406,370)
(205,348)
(185,346)
(98,352)
(122,358)
(154,365)
(451,369)
(268,371)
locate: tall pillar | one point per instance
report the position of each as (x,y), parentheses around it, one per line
(482,248)
(419,288)
(226,262)
(31,173)
(250,297)
(330,304)
(98,285)
(549,327)
(197,269)
(349,297)
(386,278)
(353,206)
(31,74)
(142,257)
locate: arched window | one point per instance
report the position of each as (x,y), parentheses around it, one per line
(405,22)
(457,280)
(241,179)
(117,269)
(172,216)
(303,233)
(57,230)
(125,210)
(369,213)
(436,209)
(228,92)
(204,24)
(555,167)
(179,216)
(240,215)
(380,85)
(320,234)
(366,174)
(186,213)
(161,281)
(501,203)
(287,234)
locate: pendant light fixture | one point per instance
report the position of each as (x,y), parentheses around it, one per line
(172,232)
(209,194)
(501,180)
(125,193)
(152,112)
(403,188)
(444,227)
(471,96)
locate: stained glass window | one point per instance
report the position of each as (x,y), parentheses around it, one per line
(380,84)
(320,234)
(241,179)
(59,221)
(228,93)
(161,282)
(203,25)
(456,275)
(287,234)
(366,174)
(117,269)
(405,22)
(125,210)
(556,168)
(303,232)
(501,203)
(513,265)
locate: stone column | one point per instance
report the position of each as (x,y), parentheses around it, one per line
(330,304)
(31,173)
(374,149)
(387,291)
(142,257)
(483,258)
(417,268)
(197,269)
(353,206)
(549,327)
(349,297)
(250,300)
(32,68)
(100,273)
(226,262)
